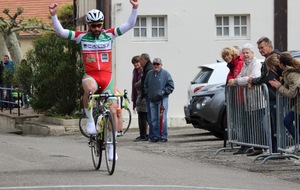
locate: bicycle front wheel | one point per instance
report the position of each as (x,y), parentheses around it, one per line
(110,143)
(96,150)
(126,114)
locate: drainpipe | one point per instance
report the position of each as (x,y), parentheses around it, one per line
(280,25)
(74,13)
(107,22)
(104,6)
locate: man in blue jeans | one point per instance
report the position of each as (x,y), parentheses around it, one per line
(158,86)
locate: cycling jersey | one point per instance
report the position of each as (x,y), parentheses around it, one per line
(97,50)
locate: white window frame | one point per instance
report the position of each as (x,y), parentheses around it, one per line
(148,27)
(232,26)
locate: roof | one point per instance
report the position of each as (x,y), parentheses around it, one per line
(32,8)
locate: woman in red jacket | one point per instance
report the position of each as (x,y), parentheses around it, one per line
(234,60)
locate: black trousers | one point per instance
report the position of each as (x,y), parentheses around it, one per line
(143,124)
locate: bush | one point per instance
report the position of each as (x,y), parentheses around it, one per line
(56,75)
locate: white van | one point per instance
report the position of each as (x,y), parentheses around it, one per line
(213,73)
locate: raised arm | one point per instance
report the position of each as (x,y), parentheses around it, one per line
(56,24)
(132,18)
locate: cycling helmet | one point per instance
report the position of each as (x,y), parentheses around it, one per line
(94,15)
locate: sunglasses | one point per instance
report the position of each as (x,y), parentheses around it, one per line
(96,25)
(156,64)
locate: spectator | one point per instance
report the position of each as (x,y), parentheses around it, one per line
(9,71)
(139,102)
(266,49)
(1,85)
(141,108)
(251,68)
(147,66)
(158,86)
(137,74)
(25,72)
(234,61)
(291,78)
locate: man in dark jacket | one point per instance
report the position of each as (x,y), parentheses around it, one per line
(266,49)
(147,66)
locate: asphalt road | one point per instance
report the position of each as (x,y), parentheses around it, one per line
(187,161)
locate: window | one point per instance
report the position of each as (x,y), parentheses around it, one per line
(235,26)
(150,27)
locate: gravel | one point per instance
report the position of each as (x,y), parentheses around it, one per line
(199,145)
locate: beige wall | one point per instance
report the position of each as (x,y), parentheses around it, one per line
(25,45)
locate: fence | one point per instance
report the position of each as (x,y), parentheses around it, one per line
(254,121)
(288,133)
(9,102)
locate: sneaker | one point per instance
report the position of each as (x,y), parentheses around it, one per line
(297,162)
(90,128)
(139,138)
(119,133)
(153,140)
(111,154)
(291,149)
(255,152)
(242,150)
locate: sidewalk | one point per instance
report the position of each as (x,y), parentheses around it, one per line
(29,123)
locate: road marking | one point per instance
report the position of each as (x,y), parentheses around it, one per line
(118,186)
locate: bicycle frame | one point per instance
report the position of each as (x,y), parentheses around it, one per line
(105,139)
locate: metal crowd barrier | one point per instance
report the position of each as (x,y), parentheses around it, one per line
(3,101)
(247,116)
(288,137)
(249,122)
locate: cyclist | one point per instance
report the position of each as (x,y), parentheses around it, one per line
(96,44)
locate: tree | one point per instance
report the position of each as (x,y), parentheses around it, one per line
(12,25)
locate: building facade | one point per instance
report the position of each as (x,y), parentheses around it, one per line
(186,34)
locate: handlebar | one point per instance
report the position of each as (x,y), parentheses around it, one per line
(108,95)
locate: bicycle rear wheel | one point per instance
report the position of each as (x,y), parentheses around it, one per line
(96,150)
(82,125)
(126,114)
(109,143)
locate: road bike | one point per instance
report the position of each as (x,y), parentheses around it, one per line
(126,113)
(105,139)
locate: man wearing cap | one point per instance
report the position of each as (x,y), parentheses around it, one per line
(158,85)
